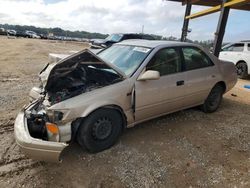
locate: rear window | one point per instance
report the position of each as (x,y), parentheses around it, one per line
(195,58)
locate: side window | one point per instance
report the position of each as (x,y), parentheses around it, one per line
(238,47)
(130,36)
(248,46)
(166,61)
(228,48)
(195,58)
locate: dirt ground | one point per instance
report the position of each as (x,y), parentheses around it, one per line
(184,149)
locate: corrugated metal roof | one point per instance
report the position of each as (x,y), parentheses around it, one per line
(245,6)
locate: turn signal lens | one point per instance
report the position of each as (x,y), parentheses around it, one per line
(51,127)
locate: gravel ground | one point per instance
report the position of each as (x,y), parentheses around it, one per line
(183,149)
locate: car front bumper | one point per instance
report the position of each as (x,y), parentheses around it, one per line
(35,148)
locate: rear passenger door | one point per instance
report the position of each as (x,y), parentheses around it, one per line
(201,75)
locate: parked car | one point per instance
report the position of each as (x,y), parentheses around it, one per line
(32,34)
(43,36)
(239,54)
(21,34)
(11,32)
(3,31)
(118,37)
(92,98)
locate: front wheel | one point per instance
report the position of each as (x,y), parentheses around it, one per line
(213,100)
(242,70)
(100,130)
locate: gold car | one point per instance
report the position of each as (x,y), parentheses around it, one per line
(93,97)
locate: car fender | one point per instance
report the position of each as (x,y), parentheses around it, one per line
(100,104)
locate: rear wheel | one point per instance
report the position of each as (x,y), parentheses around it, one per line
(242,70)
(100,130)
(213,100)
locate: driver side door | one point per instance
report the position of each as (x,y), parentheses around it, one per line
(157,97)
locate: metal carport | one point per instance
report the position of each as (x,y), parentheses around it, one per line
(223,6)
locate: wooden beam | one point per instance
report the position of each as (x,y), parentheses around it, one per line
(190,1)
(204,12)
(217,8)
(246,7)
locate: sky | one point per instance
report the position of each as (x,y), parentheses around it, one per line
(110,16)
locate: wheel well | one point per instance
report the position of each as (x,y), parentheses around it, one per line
(222,84)
(77,123)
(241,61)
(119,109)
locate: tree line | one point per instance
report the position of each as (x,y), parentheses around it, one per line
(88,35)
(56,31)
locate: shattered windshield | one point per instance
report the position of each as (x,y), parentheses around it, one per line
(114,37)
(126,58)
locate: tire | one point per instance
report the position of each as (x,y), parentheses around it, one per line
(100,130)
(213,100)
(242,70)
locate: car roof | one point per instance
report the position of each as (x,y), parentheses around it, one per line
(154,43)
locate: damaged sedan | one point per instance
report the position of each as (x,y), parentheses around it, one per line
(92,98)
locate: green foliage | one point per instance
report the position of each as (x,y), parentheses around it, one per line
(208,44)
(56,31)
(84,34)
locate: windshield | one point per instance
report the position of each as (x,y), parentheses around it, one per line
(114,37)
(126,58)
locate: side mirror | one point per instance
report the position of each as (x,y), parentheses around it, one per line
(149,75)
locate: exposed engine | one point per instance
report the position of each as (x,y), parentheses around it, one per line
(36,120)
(37,126)
(77,75)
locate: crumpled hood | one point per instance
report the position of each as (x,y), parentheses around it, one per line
(85,56)
(77,74)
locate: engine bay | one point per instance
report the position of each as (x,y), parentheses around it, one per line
(77,80)
(79,74)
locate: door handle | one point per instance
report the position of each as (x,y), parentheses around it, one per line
(180,83)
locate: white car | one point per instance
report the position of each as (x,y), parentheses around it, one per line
(11,32)
(32,34)
(239,54)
